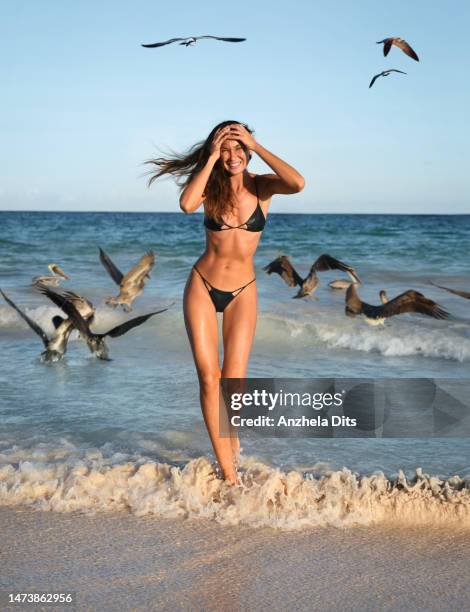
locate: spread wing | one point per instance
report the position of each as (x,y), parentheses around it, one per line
(282,266)
(413,301)
(113,271)
(140,271)
(68,307)
(32,324)
(230,39)
(464,294)
(374,79)
(84,306)
(387,46)
(121,329)
(162,44)
(326,262)
(395,70)
(405,47)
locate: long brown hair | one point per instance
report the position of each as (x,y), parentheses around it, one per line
(218,195)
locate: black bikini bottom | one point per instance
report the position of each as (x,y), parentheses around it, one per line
(221,299)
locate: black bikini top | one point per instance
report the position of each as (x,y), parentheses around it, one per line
(255,223)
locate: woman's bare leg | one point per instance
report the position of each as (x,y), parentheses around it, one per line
(201,325)
(238,332)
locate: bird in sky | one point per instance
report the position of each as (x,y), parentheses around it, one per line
(190,41)
(384,73)
(282,266)
(401,44)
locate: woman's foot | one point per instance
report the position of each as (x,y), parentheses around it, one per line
(231,476)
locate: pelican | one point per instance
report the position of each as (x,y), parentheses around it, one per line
(409,301)
(96,342)
(384,73)
(308,285)
(131,284)
(190,41)
(56,345)
(84,306)
(401,44)
(464,294)
(54,280)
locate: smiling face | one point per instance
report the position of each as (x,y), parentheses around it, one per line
(233,157)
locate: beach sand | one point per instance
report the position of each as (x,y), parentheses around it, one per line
(117,561)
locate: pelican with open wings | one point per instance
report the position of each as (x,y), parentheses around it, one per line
(131,284)
(308,285)
(56,345)
(96,342)
(409,301)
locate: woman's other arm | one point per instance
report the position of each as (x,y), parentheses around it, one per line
(193,194)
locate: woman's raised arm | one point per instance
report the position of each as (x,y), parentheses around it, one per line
(193,194)
(286,179)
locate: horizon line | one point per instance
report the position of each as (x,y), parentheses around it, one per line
(175,212)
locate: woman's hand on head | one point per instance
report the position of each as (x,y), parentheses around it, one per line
(239,132)
(219,137)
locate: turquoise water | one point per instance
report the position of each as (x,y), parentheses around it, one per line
(143,405)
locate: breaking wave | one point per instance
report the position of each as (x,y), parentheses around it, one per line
(405,337)
(267,497)
(398,338)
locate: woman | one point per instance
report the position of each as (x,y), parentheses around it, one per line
(222,280)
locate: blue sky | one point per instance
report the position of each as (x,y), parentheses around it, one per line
(83,105)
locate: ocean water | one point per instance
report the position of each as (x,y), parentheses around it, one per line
(128,434)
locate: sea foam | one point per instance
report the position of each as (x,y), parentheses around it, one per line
(397,338)
(266,497)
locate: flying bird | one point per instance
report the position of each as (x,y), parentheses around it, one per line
(54,280)
(409,301)
(96,342)
(385,73)
(464,294)
(56,345)
(282,266)
(191,41)
(131,284)
(401,44)
(84,306)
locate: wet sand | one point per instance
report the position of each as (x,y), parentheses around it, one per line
(117,561)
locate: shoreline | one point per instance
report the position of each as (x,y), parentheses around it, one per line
(119,561)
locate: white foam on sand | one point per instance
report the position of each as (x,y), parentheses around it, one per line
(267,497)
